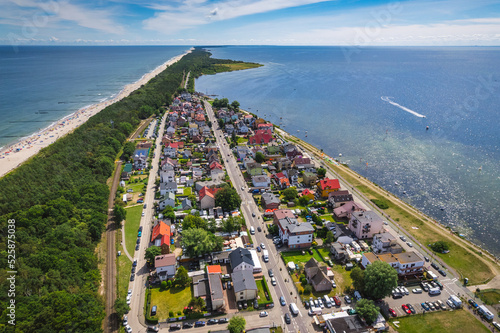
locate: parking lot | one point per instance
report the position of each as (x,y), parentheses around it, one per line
(416,299)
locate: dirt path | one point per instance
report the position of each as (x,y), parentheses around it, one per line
(437,228)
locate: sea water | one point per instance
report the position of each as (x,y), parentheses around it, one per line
(373,106)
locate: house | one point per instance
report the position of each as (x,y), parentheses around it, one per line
(170,131)
(309,178)
(167,174)
(270,201)
(160,230)
(316,275)
(266,127)
(241,259)
(207,197)
(229,129)
(301,163)
(206,131)
(167,200)
(197,172)
(262,181)
(283,163)
(186,154)
(215,286)
(217,173)
(338,252)
(281,180)
(261,137)
(186,96)
(141,159)
(326,186)
(346,210)
(406,263)
(293,233)
(186,204)
(221,257)
(385,243)
(169,161)
(257,149)
(293,176)
(245,288)
(365,224)
(242,152)
(308,194)
(339,198)
(165,266)
(193,132)
(291,151)
(168,187)
(254,169)
(170,150)
(199,120)
(243,129)
(181,122)
(342,322)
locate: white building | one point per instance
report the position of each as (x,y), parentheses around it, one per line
(365,224)
(165,266)
(407,263)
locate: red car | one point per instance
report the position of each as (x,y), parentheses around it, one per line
(392,312)
(406,308)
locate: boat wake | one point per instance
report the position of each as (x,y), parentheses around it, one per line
(388,100)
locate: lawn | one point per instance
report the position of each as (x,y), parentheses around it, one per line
(438,322)
(262,288)
(186,191)
(123,269)
(489,296)
(328,217)
(173,299)
(298,257)
(132,222)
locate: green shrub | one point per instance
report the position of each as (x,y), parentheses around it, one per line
(382,204)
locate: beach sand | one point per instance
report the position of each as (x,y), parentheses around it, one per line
(14,155)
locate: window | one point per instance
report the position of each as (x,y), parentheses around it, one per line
(241,293)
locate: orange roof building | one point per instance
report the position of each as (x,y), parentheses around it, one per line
(214,269)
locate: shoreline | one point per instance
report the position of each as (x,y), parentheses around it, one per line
(16,153)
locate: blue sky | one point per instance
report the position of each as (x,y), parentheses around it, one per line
(246,22)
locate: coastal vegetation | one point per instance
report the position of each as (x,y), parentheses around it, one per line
(469,262)
(58,202)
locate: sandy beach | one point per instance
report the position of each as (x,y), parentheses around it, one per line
(14,155)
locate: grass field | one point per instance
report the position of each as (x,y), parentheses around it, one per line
(123,269)
(173,299)
(186,191)
(459,258)
(132,222)
(489,296)
(439,322)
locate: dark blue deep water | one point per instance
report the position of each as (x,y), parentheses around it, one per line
(41,84)
(342,98)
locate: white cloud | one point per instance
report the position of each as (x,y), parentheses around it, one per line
(194,13)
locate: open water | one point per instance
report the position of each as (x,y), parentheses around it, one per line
(372,105)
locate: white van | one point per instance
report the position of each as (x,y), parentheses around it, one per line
(434,291)
(294,309)
(252,230)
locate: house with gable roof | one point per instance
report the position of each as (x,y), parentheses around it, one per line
(161,236)
(317,276)
(167,200)
(326,185)
(165,265)
(245,288)
(207,197)
(241,260)
(292,232)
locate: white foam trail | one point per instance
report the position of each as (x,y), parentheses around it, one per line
(388,100)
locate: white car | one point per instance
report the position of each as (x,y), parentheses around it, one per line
(130,292)
(417,290)
(262,246)
(273,281)
(405,290)
(128,329)
(129,300)
(263,314)
(142,213)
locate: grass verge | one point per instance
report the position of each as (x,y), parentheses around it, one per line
(438,322)
(489,296)
(123,269)
(131,227)
(172,299)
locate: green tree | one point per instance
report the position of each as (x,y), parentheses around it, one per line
(119,213)
(235,105)
(197,303)
(259,157)
(228,199)
(152,252)
(236,324)
(146,111)
(199,241)
(329,237)
(126,128)
(321,172)
(290,193)
(182,278)
(128,150)
(380,279)
(192,221)
(358,279)
(232,224)
(367,310)
(121,307)
(440,247)
(304,201)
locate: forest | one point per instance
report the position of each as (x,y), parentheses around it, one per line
(58,200)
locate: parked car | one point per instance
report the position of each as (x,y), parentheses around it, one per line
(406,292)
(412,309)
(406,309)
(223,320)
(258,248)
(392,312)
(273,281)
(199,323)
(128,329)
(306,304)
(434,265)
(347,299)
(212,321)
(440,271)
(137,247)
(263,314)
(174,327)
(337,301)
(132,277)
(187,325)
(271,274)
(416,290)
(425,306)
(426,259)
(262,246)
(473,303)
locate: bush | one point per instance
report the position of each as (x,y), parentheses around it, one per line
(171,314)
(169,283)
(163,285)
(307,289)
(382,204)
(179,313)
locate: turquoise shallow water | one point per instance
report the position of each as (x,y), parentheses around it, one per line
(369,108)
(41,84)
